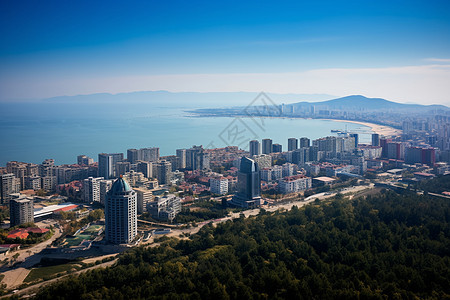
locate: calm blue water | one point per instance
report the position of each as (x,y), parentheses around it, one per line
(35,131)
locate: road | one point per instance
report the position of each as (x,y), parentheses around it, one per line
(27,258)
(35,287)
(183,233)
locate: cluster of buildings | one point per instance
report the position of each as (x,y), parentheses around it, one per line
(138,183)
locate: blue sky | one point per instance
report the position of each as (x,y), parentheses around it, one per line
(399,50)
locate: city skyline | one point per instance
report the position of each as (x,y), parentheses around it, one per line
(390,50)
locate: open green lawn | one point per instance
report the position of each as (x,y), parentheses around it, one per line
(45,272)
(93,229)
(75,241)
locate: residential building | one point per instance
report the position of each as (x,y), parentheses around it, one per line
(84,160)
(121,213)
(254,148)
(375,139)
(181,154)
(276,148)
(164,208)
(304,142)
(163,172)
(91,189)
(144,197)
(218,185)
(9,184)
(21,211)
(266,146)
(292,144)
(294,184)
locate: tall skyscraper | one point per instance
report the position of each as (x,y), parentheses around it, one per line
(266,146)
(249,185)
(356,136)
(105,166)
(375,139)
(277,148)
(9,184)
(292,144)
(305,142)
(121,213)
(254,148)
(181,154)
(21,211)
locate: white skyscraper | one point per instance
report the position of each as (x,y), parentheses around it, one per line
(121,213)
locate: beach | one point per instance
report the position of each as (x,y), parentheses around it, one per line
(380,129)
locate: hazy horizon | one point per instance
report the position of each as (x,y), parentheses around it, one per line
(380,50)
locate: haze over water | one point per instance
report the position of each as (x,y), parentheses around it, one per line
(33,132)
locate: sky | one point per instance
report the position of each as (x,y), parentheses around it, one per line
(397,50)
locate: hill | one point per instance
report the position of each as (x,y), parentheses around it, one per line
(384,247)
(361,103)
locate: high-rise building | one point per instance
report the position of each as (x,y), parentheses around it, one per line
(104,187)
(150,154)
(181,154)
(356,137)
(133,155)
(121,213)
(19,169)
(197,158)
(266,146)
(292,144)
(305,142)
(105,166)
(84,160)
(173,159)
(254,148)
(146,168)
(122,167)
(375,139)
(396,150)
(9,184)
(144,197)
(276,148)
(91,189)
(249,185)
(163,172)
(49,183)
(21,211)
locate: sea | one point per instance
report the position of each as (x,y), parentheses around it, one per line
(32,132)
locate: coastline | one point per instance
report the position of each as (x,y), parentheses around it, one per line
(382,130)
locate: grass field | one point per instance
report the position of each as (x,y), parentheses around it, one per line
(47,272)
(76,240)
(93,229)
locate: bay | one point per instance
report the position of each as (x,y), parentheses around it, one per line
(32,132)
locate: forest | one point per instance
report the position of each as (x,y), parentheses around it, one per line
(387,246)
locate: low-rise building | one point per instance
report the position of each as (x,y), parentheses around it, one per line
(294,184)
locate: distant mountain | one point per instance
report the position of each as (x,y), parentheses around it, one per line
(355,104)
(187,99)
(359,102)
